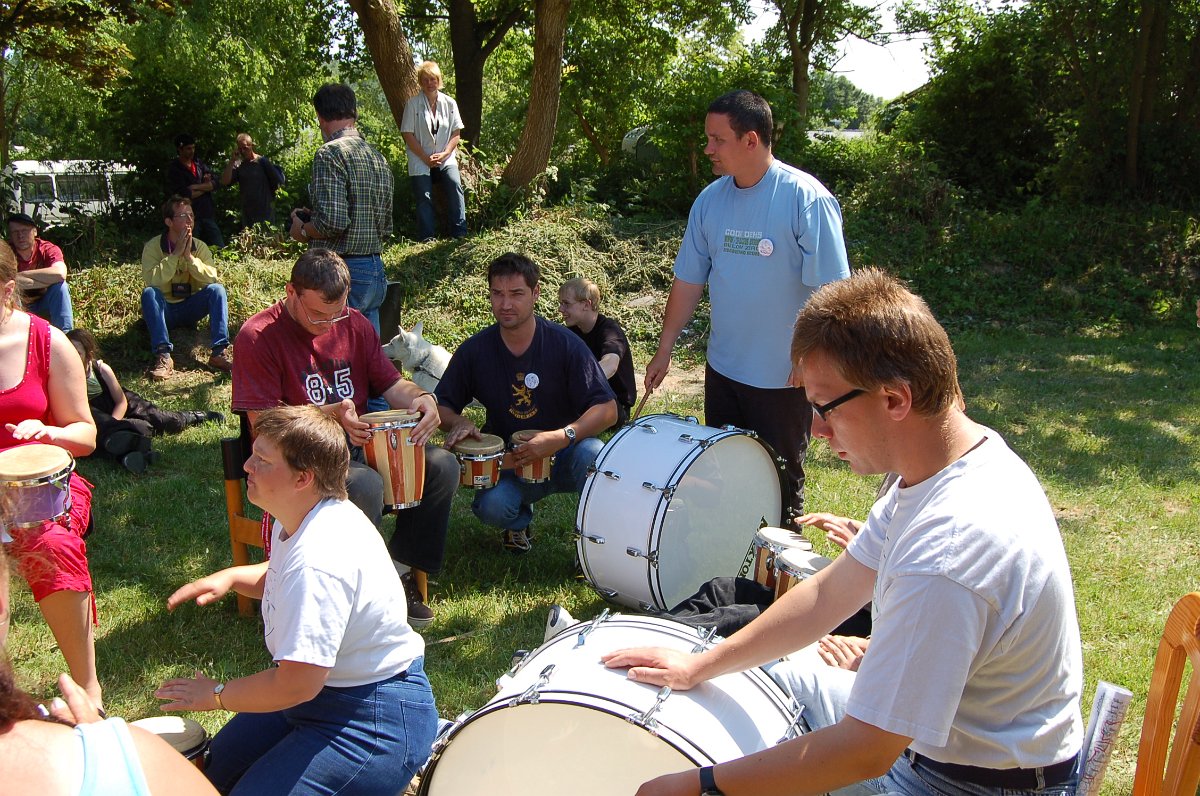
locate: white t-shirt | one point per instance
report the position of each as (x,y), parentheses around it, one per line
(333,599)
(975,650)
(763,250)
(418,120)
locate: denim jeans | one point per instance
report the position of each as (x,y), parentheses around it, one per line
(208,231)
(824,690)
(422,185)
(367,739)
(162,315)
(368,286)
(55,306)
(509,504)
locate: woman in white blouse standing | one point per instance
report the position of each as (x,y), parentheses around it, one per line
(431,128)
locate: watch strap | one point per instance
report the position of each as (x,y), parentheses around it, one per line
(708,783)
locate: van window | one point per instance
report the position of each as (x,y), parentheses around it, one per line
(121,182)
(37,188)
(82,188)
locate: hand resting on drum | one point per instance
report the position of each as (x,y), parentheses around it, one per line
(843,652)
(460,430)
(31,429)
(657,666)
(539,446)
(839,530)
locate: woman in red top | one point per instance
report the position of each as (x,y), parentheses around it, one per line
(43,399)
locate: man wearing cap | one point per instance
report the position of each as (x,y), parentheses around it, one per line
(41,272)
(189,177)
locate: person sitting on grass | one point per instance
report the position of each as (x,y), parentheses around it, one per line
(347,707)
(125,421)
(579,303)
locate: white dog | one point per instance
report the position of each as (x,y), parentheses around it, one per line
(423,359)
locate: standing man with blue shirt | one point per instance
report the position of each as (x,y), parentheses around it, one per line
(351,193)
(763,238)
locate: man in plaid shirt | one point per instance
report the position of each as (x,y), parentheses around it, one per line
(351,193)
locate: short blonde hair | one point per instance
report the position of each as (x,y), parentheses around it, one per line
(581,289)
(429,68)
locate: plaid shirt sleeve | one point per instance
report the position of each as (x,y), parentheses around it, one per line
(331,205)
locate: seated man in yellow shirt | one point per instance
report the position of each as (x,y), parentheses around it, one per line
(181,288)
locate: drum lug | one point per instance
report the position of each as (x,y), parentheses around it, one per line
(532,694)
(581,639)
(593,538)
(651,559)
(649,429)
(793,729)
(746,431)
(706,639)
(647,720)
(668,491)
(608,594)
(611,474)
(518,659)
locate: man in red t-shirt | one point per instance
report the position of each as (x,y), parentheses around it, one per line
(41,272)
(312,348)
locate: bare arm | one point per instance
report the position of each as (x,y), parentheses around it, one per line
(409,396)
(167,771)
(456,426)
(42,277)
(75,432)
(608,364)
(109,380)
(278,688)
(245,580)
(681,305)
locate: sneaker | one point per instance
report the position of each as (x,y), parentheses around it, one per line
(122,442)
(134,462)
(196,417)
(558,621)
(517,542)
(219,361)
(163,366)
(419,614)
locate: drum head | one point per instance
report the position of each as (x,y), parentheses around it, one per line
(183,734)
(470,446)
(781,539)
(396,417)
(521,437)
(27,462)
(800,563)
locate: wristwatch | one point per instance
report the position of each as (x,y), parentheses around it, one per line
(570,432)
(217,694)
(708,784)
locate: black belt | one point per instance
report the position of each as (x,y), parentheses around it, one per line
(1016,778)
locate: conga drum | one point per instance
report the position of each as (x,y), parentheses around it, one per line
(183,734)
(769,542)
(479,461)
(38,479)
(392,454)
(536,471)
(795,565)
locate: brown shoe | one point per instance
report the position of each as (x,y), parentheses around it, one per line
(163,367)
(219,361)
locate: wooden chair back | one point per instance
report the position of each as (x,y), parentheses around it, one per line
(1166,766)
(244,531)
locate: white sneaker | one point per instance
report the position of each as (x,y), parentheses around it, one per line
(558,621)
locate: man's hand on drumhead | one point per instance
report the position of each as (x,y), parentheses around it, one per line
(655,666)
(204,591)
(839,530)
(459,431)
(539,446)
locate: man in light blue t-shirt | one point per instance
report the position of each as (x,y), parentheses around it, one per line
(763,238)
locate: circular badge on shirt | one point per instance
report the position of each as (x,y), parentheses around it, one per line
(532,381)
(765,247)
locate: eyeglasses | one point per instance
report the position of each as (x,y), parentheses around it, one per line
(341,316)
(188,216)
(822,410)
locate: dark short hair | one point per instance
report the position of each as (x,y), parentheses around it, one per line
(878,333)
(184,139)
(335,101)
(321,270)
(87,341)
(309,441)
(22,218)
(168,208)
(746,111)
(513,263)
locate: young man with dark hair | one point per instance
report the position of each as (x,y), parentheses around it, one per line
(529,374)
(181,288)
(189,177)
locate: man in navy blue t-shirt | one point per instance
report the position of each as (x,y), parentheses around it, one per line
(529,374)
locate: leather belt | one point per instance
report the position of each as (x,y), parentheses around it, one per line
(1016,778)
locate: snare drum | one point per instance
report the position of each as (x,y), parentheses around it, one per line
(392,454)
(479,461)
(795,565)
(537,471)
(38,479)
(768,543)
(671,504)
(563,723)
(185,735)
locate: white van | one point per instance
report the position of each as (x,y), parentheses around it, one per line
(49,190)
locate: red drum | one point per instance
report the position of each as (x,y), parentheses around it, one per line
(392,454)
(770,542)
(535,472)
(479,461)
(38,477)
(795,565)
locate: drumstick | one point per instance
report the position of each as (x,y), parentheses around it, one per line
(641,403)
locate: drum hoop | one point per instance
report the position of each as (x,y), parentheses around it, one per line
(391,425)
(480,457)
(63,518)
(40,480)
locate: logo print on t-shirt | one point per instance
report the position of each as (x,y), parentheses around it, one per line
(321,390)
(522,406)
(744,241)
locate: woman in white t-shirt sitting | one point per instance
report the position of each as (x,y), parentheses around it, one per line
(347,707)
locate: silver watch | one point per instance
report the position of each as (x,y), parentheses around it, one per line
(570,432)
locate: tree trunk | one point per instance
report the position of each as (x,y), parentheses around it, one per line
(1139,87)
(589,133)
(471,51)
(533,148)
(389,50)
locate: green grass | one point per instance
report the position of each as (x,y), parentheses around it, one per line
(1108,422)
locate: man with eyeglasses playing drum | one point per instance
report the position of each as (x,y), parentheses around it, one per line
(312,348)
(972,680)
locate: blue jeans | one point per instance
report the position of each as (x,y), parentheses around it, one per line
(456,207)
(368,285)
(55,306)
(824,690)
(162,315)
(509,504)
(208,231)
(368,739)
